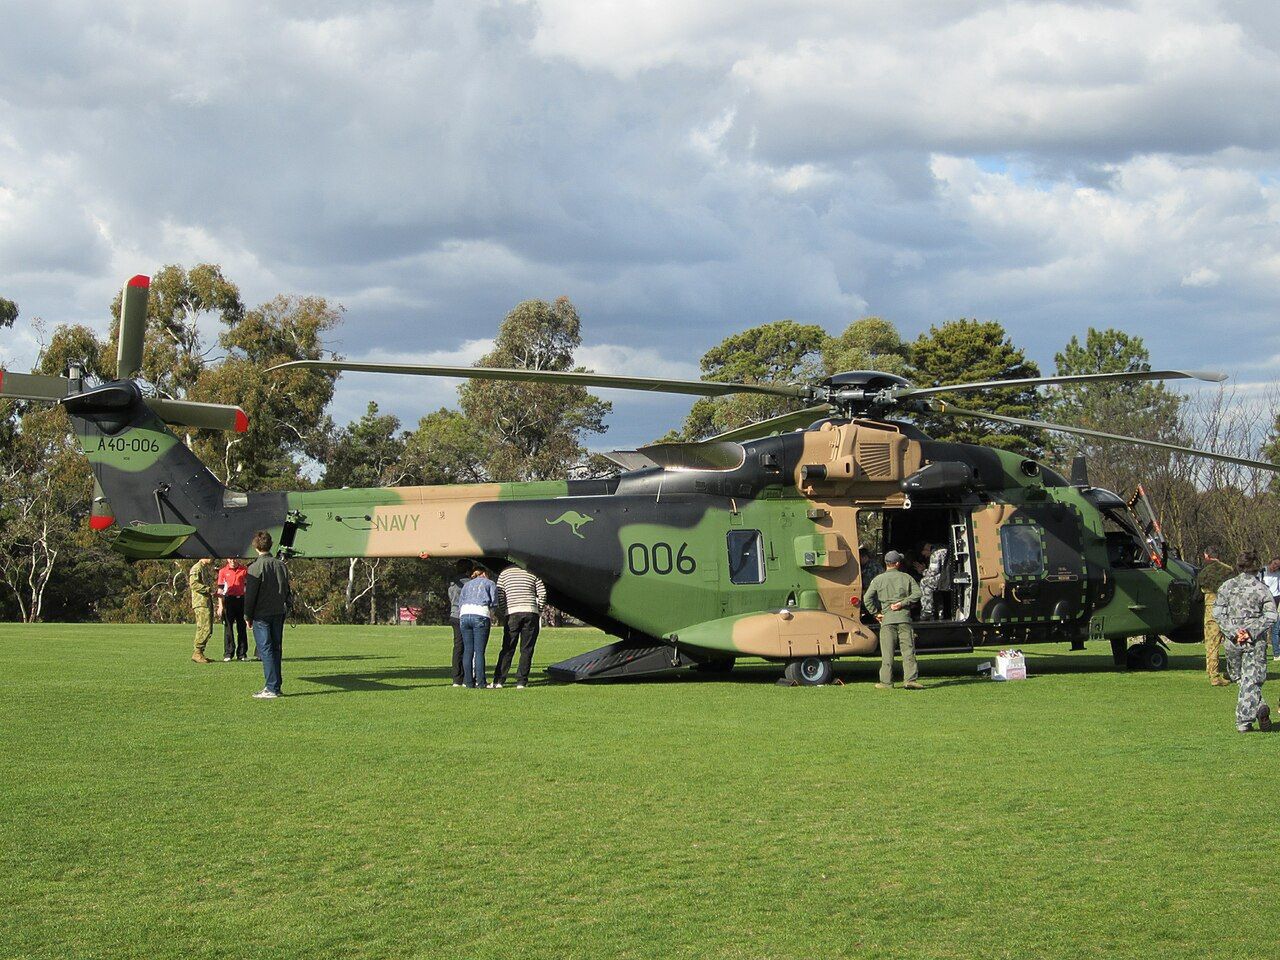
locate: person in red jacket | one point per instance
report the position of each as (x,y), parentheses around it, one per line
(230,592)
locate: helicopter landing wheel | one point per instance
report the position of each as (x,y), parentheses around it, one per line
(810,671)
(1149,655)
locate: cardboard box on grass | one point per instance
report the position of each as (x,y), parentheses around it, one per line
(1008,665)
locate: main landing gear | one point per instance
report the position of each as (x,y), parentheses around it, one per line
(810,671)
(1150,654)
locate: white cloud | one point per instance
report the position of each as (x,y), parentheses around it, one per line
(678,169)
(1201,277)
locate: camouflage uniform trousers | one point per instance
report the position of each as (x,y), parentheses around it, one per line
(930,580)
(1213,639)
(928,587)
(905,637)
(1249,662)
(204,625)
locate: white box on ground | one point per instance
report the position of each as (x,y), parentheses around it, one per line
(1009,665)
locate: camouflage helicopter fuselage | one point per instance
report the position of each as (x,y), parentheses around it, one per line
(757,559)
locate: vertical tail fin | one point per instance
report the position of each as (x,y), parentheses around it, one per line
(146,476)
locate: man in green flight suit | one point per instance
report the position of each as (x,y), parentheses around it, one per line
(200,583)
(889,598)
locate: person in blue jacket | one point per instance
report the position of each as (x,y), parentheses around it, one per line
(476,604)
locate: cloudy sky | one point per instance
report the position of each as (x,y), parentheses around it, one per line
(679,168)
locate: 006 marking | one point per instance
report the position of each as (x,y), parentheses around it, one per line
(660,558)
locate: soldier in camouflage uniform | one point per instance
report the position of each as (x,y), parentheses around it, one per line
(889,599)
(200,583)
(1245,611)
(1211,576)
(933,579)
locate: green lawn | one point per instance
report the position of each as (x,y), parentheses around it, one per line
(151,808)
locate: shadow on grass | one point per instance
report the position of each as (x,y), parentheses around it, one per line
(935,670)
(944,671)
(354,656)
(381,681)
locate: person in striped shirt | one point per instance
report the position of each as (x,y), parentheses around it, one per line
(523,596)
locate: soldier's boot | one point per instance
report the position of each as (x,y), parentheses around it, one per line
(913,685)
(1220,681)
(884,686)
(198,657)
(1264,718)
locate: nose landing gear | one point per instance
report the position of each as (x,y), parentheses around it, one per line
(1150,654)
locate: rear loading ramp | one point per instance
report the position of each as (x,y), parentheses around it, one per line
(623,660)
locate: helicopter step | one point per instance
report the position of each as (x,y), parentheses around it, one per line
(625,659)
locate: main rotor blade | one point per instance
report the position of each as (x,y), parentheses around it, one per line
(939,406)
(133,327)
(33,386)
(1126,376)
(697,388)
(780,424)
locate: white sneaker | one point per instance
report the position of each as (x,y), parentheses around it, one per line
(457,684)
(520,686)
(265,695)
(226,659)
(496,686)
(489,685)
(1244,728)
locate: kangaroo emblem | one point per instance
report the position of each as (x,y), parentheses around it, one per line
(574,519)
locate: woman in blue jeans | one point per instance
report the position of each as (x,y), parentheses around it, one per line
(476,603)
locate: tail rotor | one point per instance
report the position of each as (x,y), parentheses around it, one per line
(133,329)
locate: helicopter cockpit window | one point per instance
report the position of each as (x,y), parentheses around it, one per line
(746,556)
(1023,550)
(1127,549)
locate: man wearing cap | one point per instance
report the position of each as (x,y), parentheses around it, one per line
(889,598)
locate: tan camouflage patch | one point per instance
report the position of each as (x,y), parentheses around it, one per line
(411,522)
(862,462)
(987,522)
(801,633)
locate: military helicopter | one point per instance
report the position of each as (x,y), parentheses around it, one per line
(697,554)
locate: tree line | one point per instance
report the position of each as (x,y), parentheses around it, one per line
(53,568)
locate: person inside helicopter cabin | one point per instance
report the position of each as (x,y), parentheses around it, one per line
(1270,576)
(461,573)
(476,605)
(200,585)
(934,579)
(869,565)
(1211,576)
(889,600)
(1246,612)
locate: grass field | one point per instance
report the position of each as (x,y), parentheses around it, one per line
(151,808)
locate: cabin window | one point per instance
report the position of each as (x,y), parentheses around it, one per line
(1023,549)
(746,556)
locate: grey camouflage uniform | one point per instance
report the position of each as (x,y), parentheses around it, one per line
(931,581)
(1243,603)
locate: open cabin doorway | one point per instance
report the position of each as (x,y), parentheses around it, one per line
(909,532)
